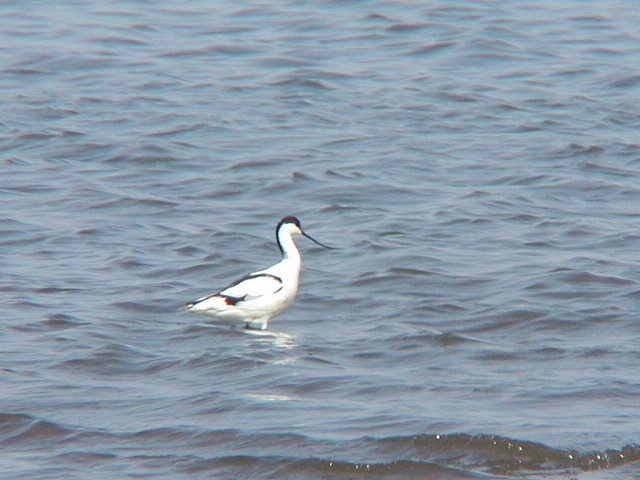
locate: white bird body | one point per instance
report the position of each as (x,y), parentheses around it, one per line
(256,298)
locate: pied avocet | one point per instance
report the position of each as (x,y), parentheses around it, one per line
(256,298)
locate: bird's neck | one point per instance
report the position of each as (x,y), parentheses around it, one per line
(289,249)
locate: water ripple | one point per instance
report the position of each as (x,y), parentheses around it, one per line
(476,164)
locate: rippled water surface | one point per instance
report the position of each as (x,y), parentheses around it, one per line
(477,166)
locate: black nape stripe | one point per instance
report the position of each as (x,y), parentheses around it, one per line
(288,219)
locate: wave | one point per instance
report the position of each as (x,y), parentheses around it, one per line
(453,456)
(502,455)
(283,467)
(233,453)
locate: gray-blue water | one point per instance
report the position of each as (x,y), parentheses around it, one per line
(478,166)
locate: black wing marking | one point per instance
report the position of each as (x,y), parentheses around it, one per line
(251,276)
(244,288)
(232,300)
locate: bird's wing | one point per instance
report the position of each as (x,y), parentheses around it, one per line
(254,285)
